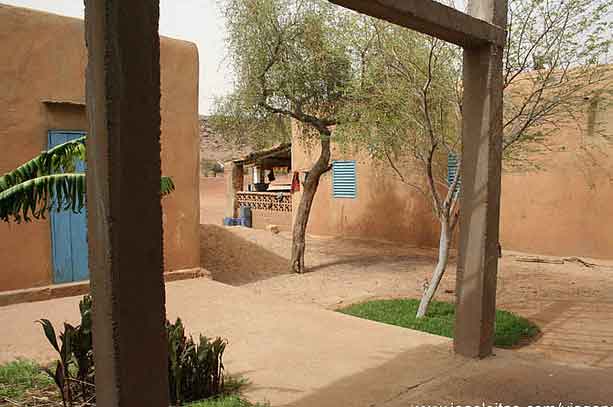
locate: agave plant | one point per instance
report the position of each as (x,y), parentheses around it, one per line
(73,373)
(195,369)
(48,182)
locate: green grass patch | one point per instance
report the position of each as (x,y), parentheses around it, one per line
(225,401)
(511,329)
(21,377)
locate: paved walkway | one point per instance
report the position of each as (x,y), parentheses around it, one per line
(303,355)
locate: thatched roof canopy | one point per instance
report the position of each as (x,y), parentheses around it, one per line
(277,156)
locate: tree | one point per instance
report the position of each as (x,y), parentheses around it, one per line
(49,182)
(294,60)
(417,119)
(238,125)
(552,62)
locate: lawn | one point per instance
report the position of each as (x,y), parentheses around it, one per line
(511,330)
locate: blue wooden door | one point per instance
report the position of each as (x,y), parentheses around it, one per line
(68,230)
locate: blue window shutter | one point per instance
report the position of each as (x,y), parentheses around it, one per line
(344,179)
(452,170)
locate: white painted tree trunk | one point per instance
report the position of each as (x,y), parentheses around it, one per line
(439,271)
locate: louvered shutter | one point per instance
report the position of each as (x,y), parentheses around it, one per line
(452,170)
(344,179)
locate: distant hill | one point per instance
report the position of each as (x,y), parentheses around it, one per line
(213,147)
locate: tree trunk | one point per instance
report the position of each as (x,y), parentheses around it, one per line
(306,202)
(439,271)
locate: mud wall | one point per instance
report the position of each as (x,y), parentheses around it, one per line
(384,208)
(560,204)
(43,88)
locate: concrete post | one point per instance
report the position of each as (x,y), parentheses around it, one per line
(234,183)
(480,200)
(123,201)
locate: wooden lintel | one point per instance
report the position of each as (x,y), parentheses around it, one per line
(432,18)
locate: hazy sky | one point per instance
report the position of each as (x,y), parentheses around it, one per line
(198,21)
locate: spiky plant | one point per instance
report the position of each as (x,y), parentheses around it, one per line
(48,182)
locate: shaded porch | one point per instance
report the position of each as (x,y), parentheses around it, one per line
(261,183)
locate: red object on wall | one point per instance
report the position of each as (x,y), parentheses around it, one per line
(295,182)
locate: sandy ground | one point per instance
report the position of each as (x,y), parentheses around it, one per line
(212,200)
(572,304)
(297,352)
(305,356)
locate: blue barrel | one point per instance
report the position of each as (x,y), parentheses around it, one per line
(245,217)
(229,222)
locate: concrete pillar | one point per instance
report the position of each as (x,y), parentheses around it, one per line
(234,183)
(123,202)
(480,200)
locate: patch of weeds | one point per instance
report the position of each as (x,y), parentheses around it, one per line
(226,401)
(20,378)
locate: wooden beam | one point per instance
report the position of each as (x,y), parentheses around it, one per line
(432,18)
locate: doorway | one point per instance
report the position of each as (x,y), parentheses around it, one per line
(69,229)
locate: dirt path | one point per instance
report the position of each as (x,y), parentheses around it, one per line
(572,304)
(304,356)
(237,261)
(212,200)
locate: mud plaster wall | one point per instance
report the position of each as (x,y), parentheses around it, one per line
(563,209)
(262,218)
(44,58)
(384,208)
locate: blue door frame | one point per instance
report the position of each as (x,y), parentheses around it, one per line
(69,229)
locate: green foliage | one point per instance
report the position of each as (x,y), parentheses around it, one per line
(36,196)
(292,59)
(73,372)
(196,371)
(238,125)
(408,109)
(167,186)
(61,158)
(553,61)
(20,377)
(226,401)
(32,189)
(511,329)
(48,182)
(210,166)
(23,378)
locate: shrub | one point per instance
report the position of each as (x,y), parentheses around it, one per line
(74,371)
(213,166)
(195,371)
